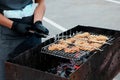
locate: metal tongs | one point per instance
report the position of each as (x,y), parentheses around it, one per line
(42,35)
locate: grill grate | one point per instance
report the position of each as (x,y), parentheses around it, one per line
(81,55)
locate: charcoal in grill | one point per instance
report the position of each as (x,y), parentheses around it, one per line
(64,69)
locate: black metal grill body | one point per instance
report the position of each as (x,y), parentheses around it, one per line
(100,65)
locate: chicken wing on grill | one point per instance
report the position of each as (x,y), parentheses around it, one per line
(83,35)
(57,46)
(72,49)
(97,39)
(68,41)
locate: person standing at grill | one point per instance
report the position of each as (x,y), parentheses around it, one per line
(21,28)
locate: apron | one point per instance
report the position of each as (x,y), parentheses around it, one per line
(7,45)
(12,43)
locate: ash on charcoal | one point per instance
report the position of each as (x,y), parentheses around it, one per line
(64,69)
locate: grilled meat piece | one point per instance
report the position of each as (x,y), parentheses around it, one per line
(97,39)
(72,49)
(57,46)
(83,35)
(68,41)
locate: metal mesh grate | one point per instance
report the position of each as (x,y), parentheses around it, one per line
(81,55)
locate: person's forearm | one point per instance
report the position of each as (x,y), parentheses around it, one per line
(5,21)
(39,11)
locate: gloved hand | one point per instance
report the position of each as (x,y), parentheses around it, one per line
(20,27)
(39,28)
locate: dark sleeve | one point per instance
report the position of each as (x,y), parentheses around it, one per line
(1,11)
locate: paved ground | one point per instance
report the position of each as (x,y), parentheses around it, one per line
(69,13)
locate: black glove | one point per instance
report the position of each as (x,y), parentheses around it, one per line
(20,27)
(39,28)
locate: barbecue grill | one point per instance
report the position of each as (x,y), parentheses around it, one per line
(41,64)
